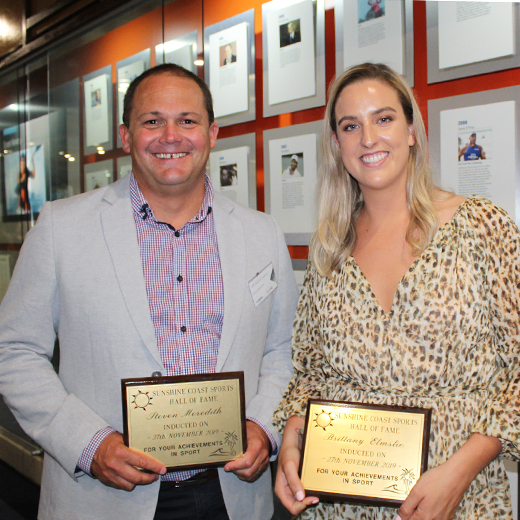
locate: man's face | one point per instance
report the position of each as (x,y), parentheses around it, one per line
(169,136)
(472,139)
(227,49)
(290,27)
(293,165)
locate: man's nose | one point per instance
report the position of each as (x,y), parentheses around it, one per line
(171,133)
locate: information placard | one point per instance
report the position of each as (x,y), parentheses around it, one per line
(185,422)
(363,453)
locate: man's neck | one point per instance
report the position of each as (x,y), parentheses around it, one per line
(177,207)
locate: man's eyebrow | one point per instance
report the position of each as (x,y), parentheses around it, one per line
(158,113)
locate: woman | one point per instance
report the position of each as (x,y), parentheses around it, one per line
(22,187)
(411,298)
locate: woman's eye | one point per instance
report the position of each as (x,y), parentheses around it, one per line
(349,128)
(385,119)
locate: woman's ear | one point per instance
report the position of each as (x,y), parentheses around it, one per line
(335,137)
(411,136)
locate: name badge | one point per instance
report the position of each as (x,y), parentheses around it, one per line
(263,284)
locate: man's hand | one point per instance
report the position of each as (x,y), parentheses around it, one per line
(253,462)
(116,465)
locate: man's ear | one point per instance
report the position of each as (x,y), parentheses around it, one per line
(124,133)
(213,132)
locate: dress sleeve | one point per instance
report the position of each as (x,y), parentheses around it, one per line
(308,380)
(500,415)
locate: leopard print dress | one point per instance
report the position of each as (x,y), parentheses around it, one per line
(450,342)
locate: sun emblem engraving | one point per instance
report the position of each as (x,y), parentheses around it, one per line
(142,400)
(323,419)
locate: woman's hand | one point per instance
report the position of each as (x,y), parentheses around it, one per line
(288,487)
(438,493)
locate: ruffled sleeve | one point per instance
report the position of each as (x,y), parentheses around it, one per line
(500,413)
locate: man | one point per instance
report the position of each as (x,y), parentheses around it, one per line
(229,57)
(146,277)
(472,151)
(291,172)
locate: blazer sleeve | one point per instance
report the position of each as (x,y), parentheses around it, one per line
(29,320)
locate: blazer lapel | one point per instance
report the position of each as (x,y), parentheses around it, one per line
(231,247)
(121,238)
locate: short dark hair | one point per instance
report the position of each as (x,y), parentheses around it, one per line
(174,70)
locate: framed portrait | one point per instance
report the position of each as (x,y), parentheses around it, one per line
(378,31)
(98,174)
(291,166)
(127,70)
(25,165)
(232,168)
(473,145)
(181,51)
(97,93)
(294,55)
(459,41)
(229,54)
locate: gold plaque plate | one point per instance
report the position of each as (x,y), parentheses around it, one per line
(186,422)
(354,452)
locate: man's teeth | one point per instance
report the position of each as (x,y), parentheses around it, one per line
(374,157)
(170,155)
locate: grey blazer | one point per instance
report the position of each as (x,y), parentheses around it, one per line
(79,276)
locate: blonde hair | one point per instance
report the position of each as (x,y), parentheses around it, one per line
(339,197)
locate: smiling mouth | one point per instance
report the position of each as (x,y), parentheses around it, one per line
(170,155)
(375,157)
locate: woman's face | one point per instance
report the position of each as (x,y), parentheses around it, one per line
(373,135)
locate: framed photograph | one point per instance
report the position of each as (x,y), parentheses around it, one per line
(98,174)
(473,145)
(181,51)
(124,166)
(294,55)
(97,93)
(291,172)
(299,266)
(229,54)
(127,70)
(232,168)
(459,41)
(25,164)
(379,31)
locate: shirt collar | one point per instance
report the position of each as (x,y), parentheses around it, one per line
(143,210)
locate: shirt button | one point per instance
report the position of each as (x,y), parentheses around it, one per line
(156,374)
(179,278)
(183,328)
(177,234)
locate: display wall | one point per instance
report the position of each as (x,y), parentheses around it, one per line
(58,108)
